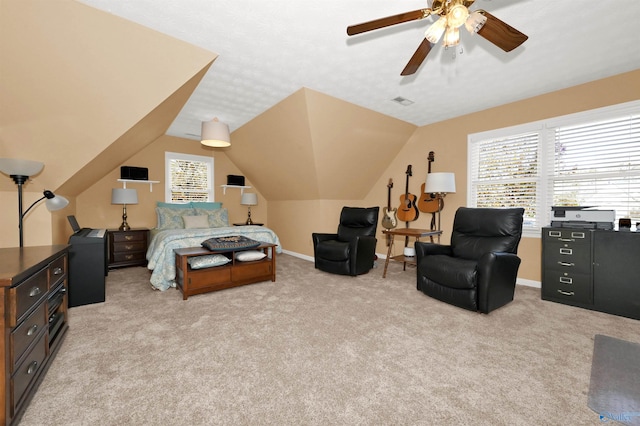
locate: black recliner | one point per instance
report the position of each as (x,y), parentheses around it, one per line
(352,250)
(478,270)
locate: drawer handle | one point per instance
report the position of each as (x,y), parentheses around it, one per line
(566,251)
(35,291)
(566,280)
(569,240)
(129,257)
(32,330)
(566,293)
(32,367)
(128,237)
(128,247)
(566,264)
(577,234)
(57,271)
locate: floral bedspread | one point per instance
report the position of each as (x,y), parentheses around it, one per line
(162,259)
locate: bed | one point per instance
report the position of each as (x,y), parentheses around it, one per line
(188,225)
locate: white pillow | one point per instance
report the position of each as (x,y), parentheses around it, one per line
(248,255)
(208,261)
(195,222)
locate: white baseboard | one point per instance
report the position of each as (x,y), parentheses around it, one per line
(528,283)
(298,255)
(519,281)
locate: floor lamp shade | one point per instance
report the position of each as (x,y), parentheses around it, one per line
(440,183)
(20,171)
(124,196)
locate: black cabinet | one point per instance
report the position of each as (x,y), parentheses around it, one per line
(592,269)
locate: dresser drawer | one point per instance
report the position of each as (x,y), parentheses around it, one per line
(129,257)
(27,371)
(567,287)
(26,333)
(125,236)
(57,271)
(27,294)
(129,246)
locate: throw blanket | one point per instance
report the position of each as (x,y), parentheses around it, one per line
(162,259)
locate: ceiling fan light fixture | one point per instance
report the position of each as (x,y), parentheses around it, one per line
(451,37)
(457,15)
(475,22)
(435,31)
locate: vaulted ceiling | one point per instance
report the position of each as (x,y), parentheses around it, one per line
(271,49)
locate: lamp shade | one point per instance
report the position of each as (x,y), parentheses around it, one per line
(443,183)
(215,134)
(17,167)
(124,196)
(249,199)
(55,202)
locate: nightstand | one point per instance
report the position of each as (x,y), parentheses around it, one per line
(128,248)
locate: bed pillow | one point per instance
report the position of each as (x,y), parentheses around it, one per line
(195,221)
(174,205)
(245,256)
(232,242)
(217,218)
(206,205)
(208,261)
(171,218)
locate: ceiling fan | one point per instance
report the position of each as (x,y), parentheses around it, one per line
(452,15)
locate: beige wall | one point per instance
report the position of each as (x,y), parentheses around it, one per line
(94,208)
(448,139)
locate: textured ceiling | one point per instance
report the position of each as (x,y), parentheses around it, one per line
(270,49)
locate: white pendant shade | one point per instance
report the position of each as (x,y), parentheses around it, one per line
(215,134)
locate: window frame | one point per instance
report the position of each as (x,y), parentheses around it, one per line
(546,153)
(169,156)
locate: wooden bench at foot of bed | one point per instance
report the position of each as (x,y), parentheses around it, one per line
(233,274)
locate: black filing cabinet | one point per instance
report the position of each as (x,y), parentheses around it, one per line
(592,269)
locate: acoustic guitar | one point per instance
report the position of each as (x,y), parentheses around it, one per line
(408,212)
(390,218)
(428,203)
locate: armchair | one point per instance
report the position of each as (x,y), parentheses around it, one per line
(350,251)
(478,270)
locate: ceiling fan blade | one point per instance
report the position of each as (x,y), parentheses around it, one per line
(501,34)
(388,21)
(417,58)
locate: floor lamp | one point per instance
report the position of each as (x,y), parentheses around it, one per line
(440,184)
(20,171)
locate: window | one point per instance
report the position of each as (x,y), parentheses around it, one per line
(188,177)
(584,159)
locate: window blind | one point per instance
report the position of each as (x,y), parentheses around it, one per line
(505,173)
(598,164)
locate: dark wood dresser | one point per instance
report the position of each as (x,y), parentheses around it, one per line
(33,284)
(128,248)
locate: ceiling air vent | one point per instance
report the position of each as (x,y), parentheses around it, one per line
(402,101)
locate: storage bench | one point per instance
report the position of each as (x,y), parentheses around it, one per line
(235,273)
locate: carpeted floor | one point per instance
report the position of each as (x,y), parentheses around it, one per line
(318,349)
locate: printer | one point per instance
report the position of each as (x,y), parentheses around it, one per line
(584,217)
